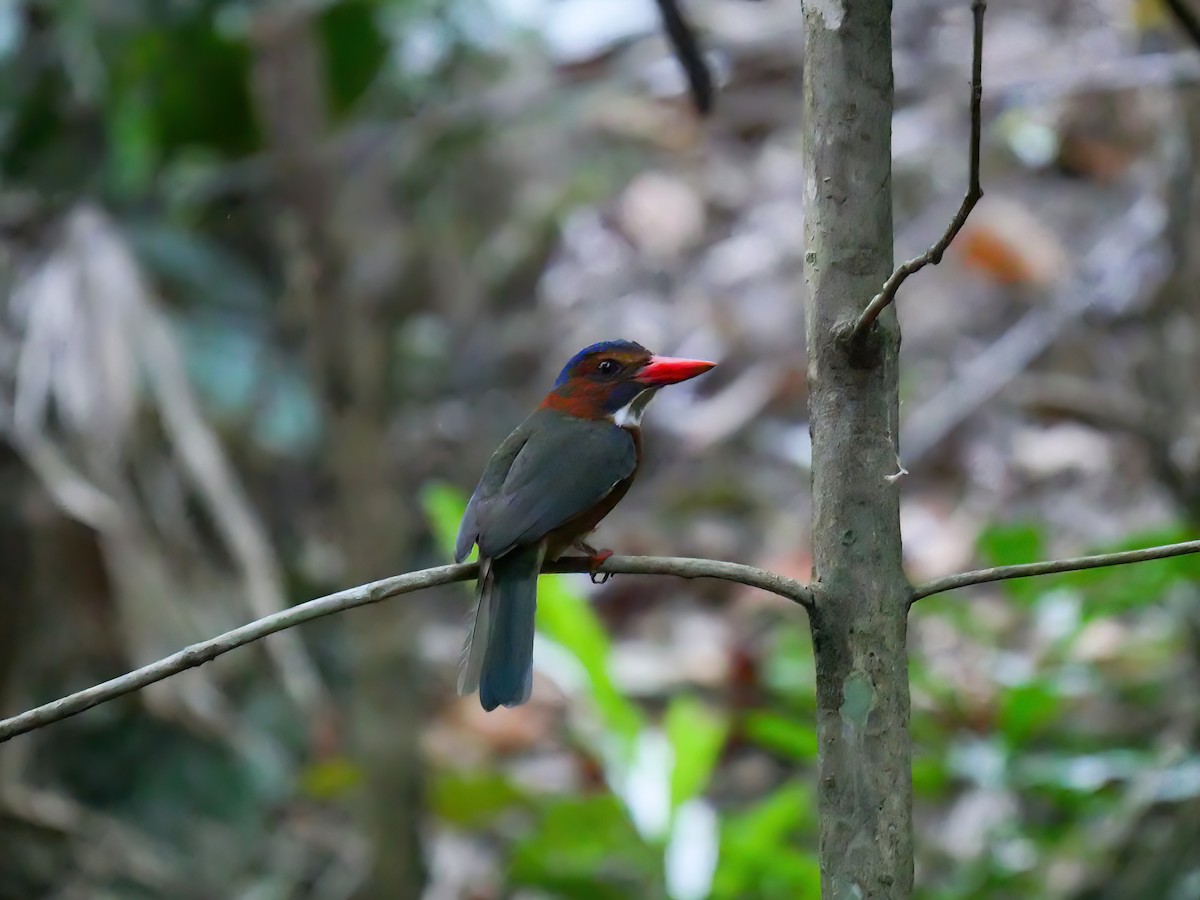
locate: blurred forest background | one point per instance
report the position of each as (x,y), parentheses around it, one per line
(274,281)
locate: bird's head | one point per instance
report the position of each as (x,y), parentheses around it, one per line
(615,380)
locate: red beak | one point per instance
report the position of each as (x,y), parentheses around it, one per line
(663,370)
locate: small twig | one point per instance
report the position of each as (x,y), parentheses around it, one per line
(1186,18)
(200,653)
(1053,567)
(691,57)
(1118,269)
(934,254)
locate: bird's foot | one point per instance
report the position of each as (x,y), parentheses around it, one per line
(596,558)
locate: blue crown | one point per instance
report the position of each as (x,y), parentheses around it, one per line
(601,347)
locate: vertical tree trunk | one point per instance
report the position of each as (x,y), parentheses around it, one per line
(859,621)
(16,619)
(388,706)
(348,329)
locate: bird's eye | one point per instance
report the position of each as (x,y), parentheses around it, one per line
(608,367)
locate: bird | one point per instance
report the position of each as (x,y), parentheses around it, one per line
(543,491)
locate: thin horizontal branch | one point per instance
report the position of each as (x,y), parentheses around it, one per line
(1053,567)
(689,567)
(198,654)
(934,254)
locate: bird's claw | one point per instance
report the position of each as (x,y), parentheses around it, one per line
(597,558)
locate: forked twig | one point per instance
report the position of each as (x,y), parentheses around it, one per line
(974,192)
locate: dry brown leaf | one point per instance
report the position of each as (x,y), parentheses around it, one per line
(1008,244)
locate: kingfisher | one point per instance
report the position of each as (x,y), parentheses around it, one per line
(544,490)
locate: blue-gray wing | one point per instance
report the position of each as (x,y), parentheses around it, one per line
(490,483)
(556,468)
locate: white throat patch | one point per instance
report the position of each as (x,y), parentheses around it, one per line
(630,415)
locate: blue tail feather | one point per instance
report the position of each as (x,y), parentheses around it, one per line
(499,655)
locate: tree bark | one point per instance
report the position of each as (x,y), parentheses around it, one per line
(860,591)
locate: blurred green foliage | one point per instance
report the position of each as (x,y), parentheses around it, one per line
(1043,776)
(761,848)
(1078,724)
(1034,726)
(611,844)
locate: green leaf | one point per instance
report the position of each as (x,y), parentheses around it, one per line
(789,737)
(355,50)
(1119,588)
(567,618)
(696,735)
(444,506)
(790,669)
(330,779)
(1027,709)
(474,800)
(1008,545)
(586,847)
(195,81)
(929,775)
(760,855)
(133,146)
(1109,589)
